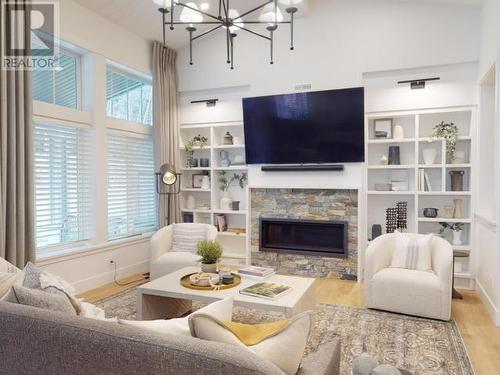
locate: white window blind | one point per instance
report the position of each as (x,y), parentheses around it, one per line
(63,202)
(128,98)
(59,86)
(131,186)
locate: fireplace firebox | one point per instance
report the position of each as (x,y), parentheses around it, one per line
(306,237)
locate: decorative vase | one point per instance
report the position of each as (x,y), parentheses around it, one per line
(457,212)
(193,163)
(224,159)
(429,155)
(228,139)
(190,202)
(204,162)
(448,211)
(457,237)
(457,180)
(398,132)
(430,212)
(225,202)
(394,158)
(209,268)
(383,160)
(205,183)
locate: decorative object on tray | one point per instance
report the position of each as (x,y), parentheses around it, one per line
(394,155)
(399,133)
(210,252)
(266,290)
(257,272)
(457,180)
(457,210)
(227,139)
(429,155)
(430,212)
(204,279)
(448,132)
(221,222)
(382,128)
(383,160)
(224,159)
(186,282)
(376,231)
(456,229)
(197,141)
(204,162)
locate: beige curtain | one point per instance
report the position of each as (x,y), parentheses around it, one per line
(166,122)
(17,244)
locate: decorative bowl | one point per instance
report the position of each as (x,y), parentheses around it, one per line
(204,279)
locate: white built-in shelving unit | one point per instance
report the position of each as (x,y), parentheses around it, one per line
(418,127)
(234,244)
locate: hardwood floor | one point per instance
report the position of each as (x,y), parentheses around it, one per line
(481,337)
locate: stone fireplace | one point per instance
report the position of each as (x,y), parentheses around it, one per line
(309,232)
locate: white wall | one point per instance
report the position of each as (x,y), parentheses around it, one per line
(100,39)
(336,43)
(490,35)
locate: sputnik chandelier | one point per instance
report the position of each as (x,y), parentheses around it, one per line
(229,20)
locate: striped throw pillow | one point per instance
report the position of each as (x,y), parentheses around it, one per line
(412,252)
(186,237)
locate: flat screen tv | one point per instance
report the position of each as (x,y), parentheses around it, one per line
(305,128)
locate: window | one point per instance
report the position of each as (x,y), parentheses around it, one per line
(131,186)
(59,86)
(128,98)
(63,206)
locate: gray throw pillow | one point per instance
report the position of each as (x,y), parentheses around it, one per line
(32,276)
(43,300)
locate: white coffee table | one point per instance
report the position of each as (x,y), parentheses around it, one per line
(166,298)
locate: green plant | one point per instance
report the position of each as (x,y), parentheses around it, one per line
(448,132)
(225,181)
(200,141)
(457,227)
(209,251)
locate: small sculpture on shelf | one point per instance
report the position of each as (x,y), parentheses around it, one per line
(396,218)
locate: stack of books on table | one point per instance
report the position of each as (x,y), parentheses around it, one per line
(256,272)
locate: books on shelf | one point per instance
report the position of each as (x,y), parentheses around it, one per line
(266,290)
(256,271)
(424,182)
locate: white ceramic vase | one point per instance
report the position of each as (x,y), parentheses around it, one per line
(225,202)
(457,238)
(190,202)
(429,155)
(398,132)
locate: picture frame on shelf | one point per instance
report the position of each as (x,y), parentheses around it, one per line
(221,223)
(383,128)
(197,180)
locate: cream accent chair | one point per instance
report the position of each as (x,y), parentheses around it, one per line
(7,267)
(411,292)
(163,260)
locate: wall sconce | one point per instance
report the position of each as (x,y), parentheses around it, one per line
(168,182)
(416,84)
(210,102)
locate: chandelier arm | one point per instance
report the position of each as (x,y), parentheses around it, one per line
(198,10)
(291,32)
(226,13)
(275,11)
(256,9)
(171,16)
(252,32)
(207,32)
(163,31)
(265,23)
(232,52)
(220,9)
(197,23)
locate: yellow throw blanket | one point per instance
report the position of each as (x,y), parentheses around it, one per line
(252,334)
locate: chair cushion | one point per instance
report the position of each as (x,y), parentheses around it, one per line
(173,261)
(411,252)
(186,237)
(44,300)
(412,292)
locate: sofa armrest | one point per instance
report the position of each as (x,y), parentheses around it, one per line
(7,267)
(160,243)
(378,255)
(325,361)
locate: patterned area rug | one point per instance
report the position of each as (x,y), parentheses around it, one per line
(422,346)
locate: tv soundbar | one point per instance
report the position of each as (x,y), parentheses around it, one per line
(299,167)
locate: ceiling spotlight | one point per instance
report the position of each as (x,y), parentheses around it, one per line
(416,84)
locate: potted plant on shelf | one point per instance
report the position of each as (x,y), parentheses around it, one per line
(225,182)
(210,252)
(198,141)
(448,132)
(456,229)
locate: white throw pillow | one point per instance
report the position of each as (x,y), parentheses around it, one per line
(186,237)
(285,349)
(221,309)
(412,252)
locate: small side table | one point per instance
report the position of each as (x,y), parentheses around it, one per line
(457,254)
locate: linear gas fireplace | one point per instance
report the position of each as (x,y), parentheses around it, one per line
(306,237)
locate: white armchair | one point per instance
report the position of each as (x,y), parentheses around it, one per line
(162,260)
(412,292)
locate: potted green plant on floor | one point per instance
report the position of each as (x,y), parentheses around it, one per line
(210,252)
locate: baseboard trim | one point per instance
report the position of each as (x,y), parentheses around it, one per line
(490,305)
(97,281)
